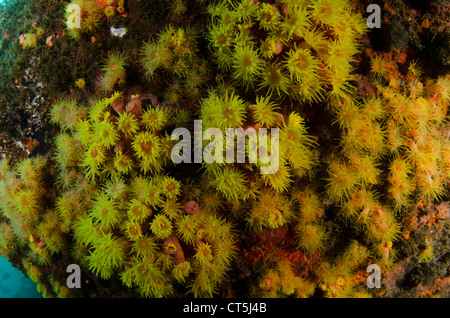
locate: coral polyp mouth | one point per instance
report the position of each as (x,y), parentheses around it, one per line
(170,248)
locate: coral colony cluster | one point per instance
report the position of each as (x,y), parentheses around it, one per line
(350,162)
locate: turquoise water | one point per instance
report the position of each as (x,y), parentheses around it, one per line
(13,283)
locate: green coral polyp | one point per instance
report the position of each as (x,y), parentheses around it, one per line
(114,66)
(116,189)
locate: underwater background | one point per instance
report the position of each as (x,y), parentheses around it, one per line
(14,284)
(355,97)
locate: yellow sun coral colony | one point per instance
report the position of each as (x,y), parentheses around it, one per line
(312,56)
(303,153)
(95,222)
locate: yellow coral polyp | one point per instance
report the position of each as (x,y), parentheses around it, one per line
(274,79)
(341,182)
(105,133)
(161,227)
(302,65)
(379,66)
(264,112)
(128,124)
(426,254)
(146,145)
(430,185)
(311,237)
(309,205)
(123,163)
(367,169)
(383,226)
(187,228)
(230,182)
(170,187)
(272,210)
(109,11)
(80,83)
(94,157)
(138,211)
(247,65)
(349,116)
(154,119)
(279,180)
(326,11)
(443,87)
(181,271)
(105,211)
(27,203)
(204,254)
(108,253)
(145,246)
